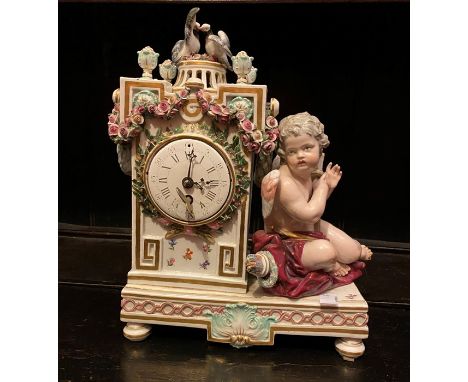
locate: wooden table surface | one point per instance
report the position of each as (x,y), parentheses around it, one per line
(92,348)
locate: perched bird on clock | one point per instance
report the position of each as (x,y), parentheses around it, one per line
(190,44)
(217,46)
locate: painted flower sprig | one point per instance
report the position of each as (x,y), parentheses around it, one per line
(254,139)
(133,124)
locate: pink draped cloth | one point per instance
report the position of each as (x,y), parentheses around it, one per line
(294,280)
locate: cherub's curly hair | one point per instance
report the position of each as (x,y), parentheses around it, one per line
(301,123)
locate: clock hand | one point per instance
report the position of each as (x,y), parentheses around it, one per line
(190,165)
(200,186)
(182,195)
(187,182)
(187,201)
(212,182)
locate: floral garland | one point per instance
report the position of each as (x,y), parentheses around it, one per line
(133,123)
(254,139)
(258,141)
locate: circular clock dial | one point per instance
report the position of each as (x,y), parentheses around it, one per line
(190,180)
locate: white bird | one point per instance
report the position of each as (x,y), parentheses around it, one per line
(218,45)
(190,44)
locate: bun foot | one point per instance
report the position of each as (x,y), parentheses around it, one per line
(136,332)
(349,348)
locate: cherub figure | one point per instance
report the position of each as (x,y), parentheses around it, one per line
(299,253)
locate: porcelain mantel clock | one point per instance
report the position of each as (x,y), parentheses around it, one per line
(190,147)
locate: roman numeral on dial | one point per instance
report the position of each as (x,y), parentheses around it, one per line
(165,192)
(210,195)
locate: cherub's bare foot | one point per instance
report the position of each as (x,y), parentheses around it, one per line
(340,269)
(366,253)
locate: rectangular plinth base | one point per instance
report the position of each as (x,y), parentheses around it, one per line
(247,319)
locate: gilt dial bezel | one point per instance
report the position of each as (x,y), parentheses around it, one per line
(224,155)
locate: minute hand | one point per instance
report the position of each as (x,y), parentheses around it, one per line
(190,165)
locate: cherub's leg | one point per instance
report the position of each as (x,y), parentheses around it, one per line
(348,250)
(321,254)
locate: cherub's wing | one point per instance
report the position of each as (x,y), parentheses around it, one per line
(268,191)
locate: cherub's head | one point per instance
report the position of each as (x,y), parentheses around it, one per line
(299,124)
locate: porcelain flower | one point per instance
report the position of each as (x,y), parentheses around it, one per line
(152,109)
(113,129)
(247,125)
(183,93)
(271,122)
(204,106)
(240,116)
(123,132)
(272,134)
(254,146)
(138,119)
(216,109)
(245,139)
(163,106)
(257,136)
(268,147)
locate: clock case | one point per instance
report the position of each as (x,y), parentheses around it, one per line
(161,260)
(170,282)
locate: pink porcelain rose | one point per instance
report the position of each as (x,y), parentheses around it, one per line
(245,138)
(163,107)
(123,132)
(216,109)
(240,116)
(183,93)
(113,129)
(247,125)
(271,122)
(254,146)
(152,109)
(204,106)
(272,134)
(268,147)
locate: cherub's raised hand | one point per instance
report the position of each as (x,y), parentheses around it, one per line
(333,175)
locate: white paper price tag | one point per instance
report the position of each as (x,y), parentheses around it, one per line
(328,299)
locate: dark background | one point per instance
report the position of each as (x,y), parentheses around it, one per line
(346,63)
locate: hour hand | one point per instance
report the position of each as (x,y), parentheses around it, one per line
(187,201)
(182,195)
